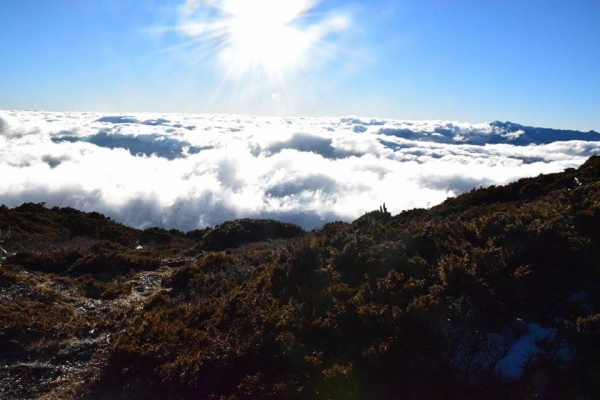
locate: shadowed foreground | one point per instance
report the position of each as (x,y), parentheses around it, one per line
(493,294)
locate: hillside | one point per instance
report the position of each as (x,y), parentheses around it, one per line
(492,294)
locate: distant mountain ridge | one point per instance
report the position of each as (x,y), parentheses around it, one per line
(533,135)
(496,132)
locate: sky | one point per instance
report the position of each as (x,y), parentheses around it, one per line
(535,62)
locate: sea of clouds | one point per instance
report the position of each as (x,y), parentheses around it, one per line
(189,171)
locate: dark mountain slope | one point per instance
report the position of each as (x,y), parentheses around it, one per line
(493,294)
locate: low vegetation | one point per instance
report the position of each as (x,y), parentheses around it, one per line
(492,294)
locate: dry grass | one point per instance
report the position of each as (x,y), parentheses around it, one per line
(384,307)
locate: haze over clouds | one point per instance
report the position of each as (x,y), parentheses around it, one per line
(189,171)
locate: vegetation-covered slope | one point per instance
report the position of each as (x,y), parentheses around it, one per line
(493,294)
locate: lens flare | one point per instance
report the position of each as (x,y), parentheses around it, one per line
(262,34)
(261,44)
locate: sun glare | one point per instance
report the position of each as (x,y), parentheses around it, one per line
(262,44)
(262,34)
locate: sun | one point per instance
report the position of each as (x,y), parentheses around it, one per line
(261,33)
(261,46)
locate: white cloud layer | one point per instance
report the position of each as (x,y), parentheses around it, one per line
(189,171)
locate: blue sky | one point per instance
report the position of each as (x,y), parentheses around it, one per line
(534,62)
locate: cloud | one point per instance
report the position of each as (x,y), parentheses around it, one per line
(3,127)
(305,142)
(118,119)
(148,145)
(121,119)
(189,171)
(310,183)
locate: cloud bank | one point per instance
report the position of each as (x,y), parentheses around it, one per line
(189,171)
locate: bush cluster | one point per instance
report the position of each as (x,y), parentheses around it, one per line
(400,307)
